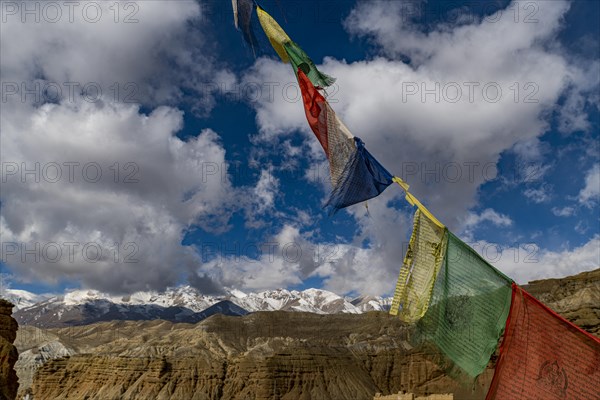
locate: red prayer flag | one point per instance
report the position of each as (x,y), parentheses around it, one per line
(315,108)
(544,357)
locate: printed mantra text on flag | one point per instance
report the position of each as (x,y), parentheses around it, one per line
(468,310)
(543,356)
(420,269)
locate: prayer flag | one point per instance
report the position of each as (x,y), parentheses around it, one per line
(426,250)
(468,310)
(335,138)
(276,35)
(363,178)
(300,60)
(242,17)
(356,175)
(544,356)
(288,51)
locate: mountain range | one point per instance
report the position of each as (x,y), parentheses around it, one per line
(181,304)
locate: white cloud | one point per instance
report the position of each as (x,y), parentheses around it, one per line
(111,178)
(279,108)
(582,92)
(473,220)
(490,215)
(291,256)
(153,186)
(530,150)
(528,262)
(590,194)
(279,263)
(372,269)
(146,52)
(539,195)
(260,199)
(563,212)
(265,191)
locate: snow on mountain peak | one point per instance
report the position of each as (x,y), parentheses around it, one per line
(309,300)
(22,298)
(76,297)
(237,293)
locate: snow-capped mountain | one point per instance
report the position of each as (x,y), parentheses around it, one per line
(372,303)
(180,304)
(310,300)
(182,296)
(22,298)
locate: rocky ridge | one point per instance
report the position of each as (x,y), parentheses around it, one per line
(577,298)
(9,383)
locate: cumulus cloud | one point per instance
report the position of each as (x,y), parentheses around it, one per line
(590,194)
(530,262)
(369,264)
(564,211)
(110,178)
(261,199)
(437,107)
(473,220)
(273,263)
(97,189)
(149,52)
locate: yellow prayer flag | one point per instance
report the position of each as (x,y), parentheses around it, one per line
(276,35)
(420,269)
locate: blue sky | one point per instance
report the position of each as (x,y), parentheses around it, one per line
(230,187)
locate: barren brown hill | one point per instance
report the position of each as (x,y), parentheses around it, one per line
(265,355)
(577,298)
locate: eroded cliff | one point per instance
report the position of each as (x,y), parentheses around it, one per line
(9,383)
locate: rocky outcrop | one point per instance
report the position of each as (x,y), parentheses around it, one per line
(30,360)
(9,383)
(577,298)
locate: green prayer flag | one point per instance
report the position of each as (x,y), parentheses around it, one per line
(468,310)
(300,59)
